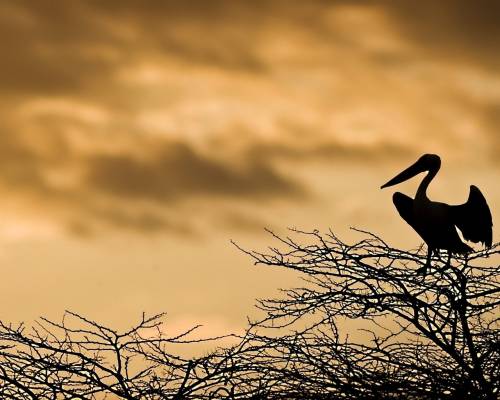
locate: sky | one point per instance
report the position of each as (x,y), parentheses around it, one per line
(138,138)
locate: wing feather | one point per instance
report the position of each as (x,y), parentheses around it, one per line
(404,205)
(473,218)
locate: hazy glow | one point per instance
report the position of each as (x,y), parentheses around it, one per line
(138,139)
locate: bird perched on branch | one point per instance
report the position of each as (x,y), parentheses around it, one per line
(437,223)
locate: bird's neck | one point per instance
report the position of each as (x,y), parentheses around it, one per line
(422,188)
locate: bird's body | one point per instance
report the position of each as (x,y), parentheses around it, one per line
(436,222)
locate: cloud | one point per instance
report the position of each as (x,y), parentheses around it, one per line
(56,52)
(177,171)
(77,47)
(142,191)
(460,29)
(20,165)
(329,151)
(99,219)
(491,126)
(246,222)
(116,114)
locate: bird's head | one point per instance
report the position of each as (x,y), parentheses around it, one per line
(428,162)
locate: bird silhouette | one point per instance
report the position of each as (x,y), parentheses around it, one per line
(436,222)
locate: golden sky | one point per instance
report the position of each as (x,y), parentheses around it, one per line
(138,138)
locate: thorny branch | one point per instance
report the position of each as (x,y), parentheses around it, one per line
(422,337)
(432,336)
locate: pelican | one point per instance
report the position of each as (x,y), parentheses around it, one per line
(438,223)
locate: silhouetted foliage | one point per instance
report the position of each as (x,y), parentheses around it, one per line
(420,337)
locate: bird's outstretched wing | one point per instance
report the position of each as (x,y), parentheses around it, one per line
(473,218)
(404,205)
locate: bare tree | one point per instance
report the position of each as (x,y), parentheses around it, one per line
(81,359)
(432,336)
(425,337)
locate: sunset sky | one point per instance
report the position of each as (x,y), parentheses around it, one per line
(138,138)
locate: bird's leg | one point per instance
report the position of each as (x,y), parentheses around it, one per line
(423,270)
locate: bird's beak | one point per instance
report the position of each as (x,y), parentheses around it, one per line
(408,173)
